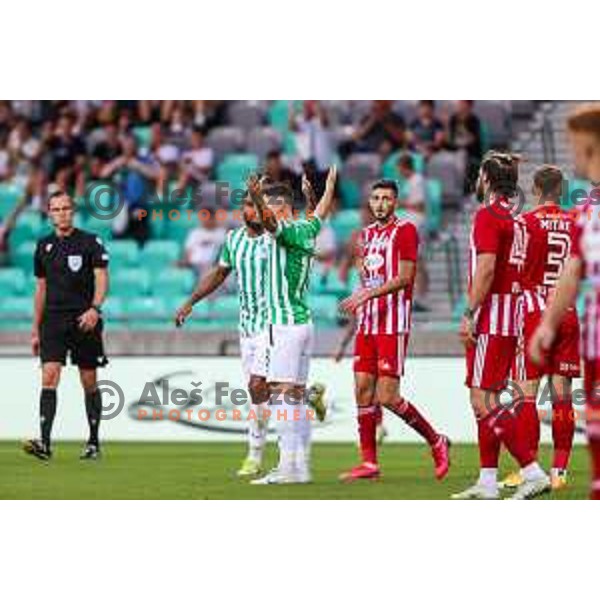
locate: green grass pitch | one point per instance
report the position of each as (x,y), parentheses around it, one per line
(207,471)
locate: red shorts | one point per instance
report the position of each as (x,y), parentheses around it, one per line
(562,359)
(380,354)
(489,361)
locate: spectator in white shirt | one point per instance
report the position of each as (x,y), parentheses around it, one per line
(203,244)
(414,204)
(197,161)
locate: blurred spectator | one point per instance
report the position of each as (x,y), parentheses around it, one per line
(381,131)
(276,172)
(464,134)
(203,244)
(107,149)
(427,132)
(197,161)
(413,203)
(66,156)
(326,248)
(313,141)
(136,178)
(5,162)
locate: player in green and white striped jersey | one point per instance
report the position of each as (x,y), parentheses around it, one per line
(246,252)
(289,320)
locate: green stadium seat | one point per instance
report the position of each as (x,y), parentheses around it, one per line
(324,309)
(177,231)
(10,194)
(114,308)
(15,308)
(173,282)
(22,256)
(102,228)
(575,196)
(350,193)
(344,222)
(235,169)
(434,205)
(124,254)
(12,282)
(158,254)
(148,309)
(389,169)
(129,283)
(225,308)
(143,135)
(278,115)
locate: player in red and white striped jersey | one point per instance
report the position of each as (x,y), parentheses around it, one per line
(547,234)
(489,330)
(584,263)
(388,257)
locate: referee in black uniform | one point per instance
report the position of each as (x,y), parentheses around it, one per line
(71,283)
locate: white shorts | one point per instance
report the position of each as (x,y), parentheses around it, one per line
(254,355)
(289,351)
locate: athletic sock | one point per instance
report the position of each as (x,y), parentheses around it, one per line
(367,427)
(93,409)
(378,415)
(488,477)
(47,413)
(508,425)
(489,448)
(288,435)
(413,418)
(304,429)
(563,430)
(257,434)
(529,421)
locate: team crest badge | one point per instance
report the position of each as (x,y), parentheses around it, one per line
(75,262)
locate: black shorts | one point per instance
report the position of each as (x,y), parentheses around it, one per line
(60,335)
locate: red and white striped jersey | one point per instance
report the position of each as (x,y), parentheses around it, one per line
(493,232)
(381,250)
(548,232)
(586,247)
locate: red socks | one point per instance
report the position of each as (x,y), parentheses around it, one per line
(489,444)
(563,430)
(413,418)
(529,421)
(508,425)
(367,426)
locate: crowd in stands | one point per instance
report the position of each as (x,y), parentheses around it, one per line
(149,145)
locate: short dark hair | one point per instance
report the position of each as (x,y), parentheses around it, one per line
(273,154)
(386,184)
(406,161)
(501,169)
(430,103)
(280,190)
(58,194)
(548,179)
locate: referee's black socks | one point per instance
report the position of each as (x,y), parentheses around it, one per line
(93,408)
(47,412)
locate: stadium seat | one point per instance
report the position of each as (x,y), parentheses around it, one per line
(344,222)
(113,308)
(225,140)
(101,227)
(577,191)
(236,168)
(434,205)
(226,308)
(158,254)
(389,169)
(324,309)
(494,120)
(263,140)
(143,135)
(124,254)
(129,283)
(15,308)
(443,166)
(149,308)
(178,230)
(350,194)
(278,115)
(22,256)
(29,226)
(10,194)
(172,282)
(12,282)
(246,114)
(362,168)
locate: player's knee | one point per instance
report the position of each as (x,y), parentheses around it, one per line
(259,391)
(387,398)
(50,376)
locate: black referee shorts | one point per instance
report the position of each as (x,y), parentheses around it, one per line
(60,335)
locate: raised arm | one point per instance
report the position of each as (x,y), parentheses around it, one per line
(325,205)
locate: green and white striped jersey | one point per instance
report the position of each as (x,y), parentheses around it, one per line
(248,257)
(290,261)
